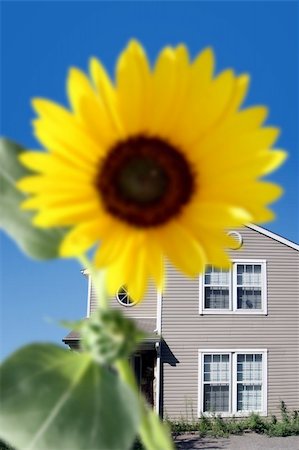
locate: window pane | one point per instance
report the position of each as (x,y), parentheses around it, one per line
(216,277)
(249,397)
(216,398)
(218,369)
(249,274)
(249,298)
(216,298)
(249,368)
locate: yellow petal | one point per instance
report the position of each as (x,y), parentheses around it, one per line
(240,193)
(50,164)
(180,101)
(246,120)
(155,261)
(137,283)
(58,198)
(261,214)
(205,109)
(260,139)
(90,109)
(163,91)
(35,160)
(59,131)
(254,166)
(115,277)
(239,93)
(119,272)
(67,215)
(39,183)
(83,236)
(78,87)
(241,165)
(229,133)
(213,241)
(133,87)
(111,247)
(234,148)
(203,69)
(215,215)
(106,93)
(214,250)
(181,248)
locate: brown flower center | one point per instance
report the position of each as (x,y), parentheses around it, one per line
(145,181)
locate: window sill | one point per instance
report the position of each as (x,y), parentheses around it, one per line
(220,312)
(238,414)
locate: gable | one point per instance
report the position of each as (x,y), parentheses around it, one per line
(262,244)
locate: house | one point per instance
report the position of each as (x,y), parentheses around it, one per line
(229,339)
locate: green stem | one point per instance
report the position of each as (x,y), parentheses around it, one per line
(154,434)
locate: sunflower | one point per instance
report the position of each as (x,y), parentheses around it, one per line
(157,165)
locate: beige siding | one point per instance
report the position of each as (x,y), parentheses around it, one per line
(146,308)
(186,332)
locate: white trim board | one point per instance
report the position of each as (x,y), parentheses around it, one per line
(274,236)
(88,295)
(159,311)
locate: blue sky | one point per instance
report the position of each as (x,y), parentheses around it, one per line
(41,40)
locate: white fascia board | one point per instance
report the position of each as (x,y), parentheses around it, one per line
(88,296)
(85,272)
(274,236)
(159,312)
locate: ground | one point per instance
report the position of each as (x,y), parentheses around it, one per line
(248,441)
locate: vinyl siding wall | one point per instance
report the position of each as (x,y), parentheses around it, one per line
(186,332)
(146,309)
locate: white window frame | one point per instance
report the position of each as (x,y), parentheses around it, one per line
(126,305)
(233,381)
(233,291)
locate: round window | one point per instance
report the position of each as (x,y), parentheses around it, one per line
(237,238)
(124,298)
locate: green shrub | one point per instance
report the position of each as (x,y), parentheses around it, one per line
(204,425)
(235,426)
(218,427)
(256,423)
(289,425)
(284,412)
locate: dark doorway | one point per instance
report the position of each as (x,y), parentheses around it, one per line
(144,368)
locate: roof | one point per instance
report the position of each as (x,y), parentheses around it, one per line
(274,236)
(146,324)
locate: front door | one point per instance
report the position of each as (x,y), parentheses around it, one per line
(144,369)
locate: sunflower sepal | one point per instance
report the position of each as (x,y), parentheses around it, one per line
(108,336)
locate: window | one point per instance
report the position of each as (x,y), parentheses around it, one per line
(242,289)
(124,298)
(233,382)
(217,287)
(249,286)
(249,382)
(216,384)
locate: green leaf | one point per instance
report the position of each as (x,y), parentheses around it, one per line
(52,398)
(35,242)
